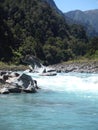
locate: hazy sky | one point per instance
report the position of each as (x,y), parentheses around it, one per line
(68,5)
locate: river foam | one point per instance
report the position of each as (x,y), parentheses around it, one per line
(71,82)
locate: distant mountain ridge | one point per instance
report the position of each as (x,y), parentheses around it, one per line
(93,17)
(89,19)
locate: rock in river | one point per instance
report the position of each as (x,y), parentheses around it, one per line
(17,83)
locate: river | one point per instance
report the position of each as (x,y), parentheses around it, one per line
(68,101)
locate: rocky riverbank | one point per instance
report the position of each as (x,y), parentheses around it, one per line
(6,67)
(12,82)
(80,67)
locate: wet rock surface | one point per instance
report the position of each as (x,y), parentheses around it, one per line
(12,82)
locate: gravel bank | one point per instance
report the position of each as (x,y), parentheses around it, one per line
(81,67)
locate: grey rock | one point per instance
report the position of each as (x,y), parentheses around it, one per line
(4,91)
(27,83)
(85,67)
(16,83)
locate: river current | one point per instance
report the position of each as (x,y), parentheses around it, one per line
(68,101)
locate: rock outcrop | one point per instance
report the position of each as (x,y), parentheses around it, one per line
(32,60)
(11,82)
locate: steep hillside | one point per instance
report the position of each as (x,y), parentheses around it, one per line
(88,19)
(34,27)
(53,5)
(93,18)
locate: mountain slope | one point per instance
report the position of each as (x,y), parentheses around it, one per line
(88,19)
(36,28)
(93,18)
(53,5)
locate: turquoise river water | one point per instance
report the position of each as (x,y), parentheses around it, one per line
(64,102)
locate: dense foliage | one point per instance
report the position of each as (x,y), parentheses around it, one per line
(34,27)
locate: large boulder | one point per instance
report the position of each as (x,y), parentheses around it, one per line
(27,83)
(32,60)
(17,83)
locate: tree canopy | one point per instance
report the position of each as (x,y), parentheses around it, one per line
(33,27)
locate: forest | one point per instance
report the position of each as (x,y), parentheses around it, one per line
(33,27)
